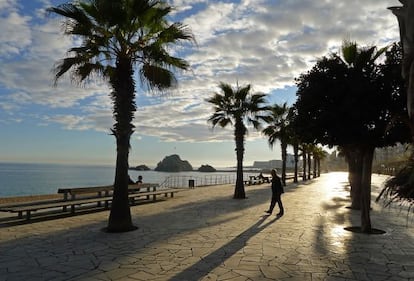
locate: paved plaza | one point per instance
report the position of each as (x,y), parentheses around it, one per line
(204,234)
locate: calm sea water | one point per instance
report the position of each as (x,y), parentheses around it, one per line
(33,179)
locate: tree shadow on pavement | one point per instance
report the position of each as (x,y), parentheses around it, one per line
(208,263)
(77,242)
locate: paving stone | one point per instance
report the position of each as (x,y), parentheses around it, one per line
(203,234)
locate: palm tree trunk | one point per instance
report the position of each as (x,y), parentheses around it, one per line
(315,165)
(319,167)
(354,160)
(124,107)
(239,192)
(284,156)
(368,154)
(296,157)
(309,165)
(120,215)
(304,177)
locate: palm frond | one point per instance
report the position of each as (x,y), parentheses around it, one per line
(174,33)
(278,123)
(237,106)
(349,51)
(157,77)
(86,69)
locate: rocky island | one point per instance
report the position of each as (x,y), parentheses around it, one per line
(140,168)
(207,169)
(173,163)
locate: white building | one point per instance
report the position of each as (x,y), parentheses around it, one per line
(290,163)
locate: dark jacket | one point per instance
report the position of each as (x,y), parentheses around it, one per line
(277,186)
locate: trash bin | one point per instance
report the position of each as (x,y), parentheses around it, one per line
(191,183)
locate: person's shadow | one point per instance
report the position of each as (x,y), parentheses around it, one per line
(213,260)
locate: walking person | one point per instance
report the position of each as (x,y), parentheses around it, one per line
(277,190)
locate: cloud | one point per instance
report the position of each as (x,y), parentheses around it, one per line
(15,29)
(279,40)
(261,42)
(29,78)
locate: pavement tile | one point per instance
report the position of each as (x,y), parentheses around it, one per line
(204,234)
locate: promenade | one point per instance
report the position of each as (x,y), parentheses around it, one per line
(204,234)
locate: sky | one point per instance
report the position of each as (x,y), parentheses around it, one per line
(264,43)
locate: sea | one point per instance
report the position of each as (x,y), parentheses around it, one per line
(19,179)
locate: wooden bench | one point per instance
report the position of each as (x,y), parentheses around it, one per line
(29,207)
(257,180)
(101,191)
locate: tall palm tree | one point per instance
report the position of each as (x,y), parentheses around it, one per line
(238,107)
(313,151)
(114,37)
(294,140)
(295,145)
(318,155)
(278,130)
(361,63)
(309,160)
(304,147)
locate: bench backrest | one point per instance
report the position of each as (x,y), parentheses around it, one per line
(92,189)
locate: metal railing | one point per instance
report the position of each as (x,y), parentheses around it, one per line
(193,181)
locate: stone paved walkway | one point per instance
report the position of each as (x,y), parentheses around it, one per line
(204,234)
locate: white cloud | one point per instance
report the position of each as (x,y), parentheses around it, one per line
(261,42)
(15,30)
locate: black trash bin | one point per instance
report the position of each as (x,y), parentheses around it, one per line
(191,183)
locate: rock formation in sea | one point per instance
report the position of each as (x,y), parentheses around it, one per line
(173,163)
(206,168)
(140,168)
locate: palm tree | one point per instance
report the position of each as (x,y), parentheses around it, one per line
(309,160)
(115,37)
(304,147)
(237,107)
(295,145)
(361,63)
(278,130)
(294,140)
(318,155)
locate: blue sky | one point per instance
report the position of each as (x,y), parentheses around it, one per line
(265,43)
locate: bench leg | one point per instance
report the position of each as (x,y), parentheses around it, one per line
(20,214)
(99,202)
(65,198)
(27,215)
(72,209)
